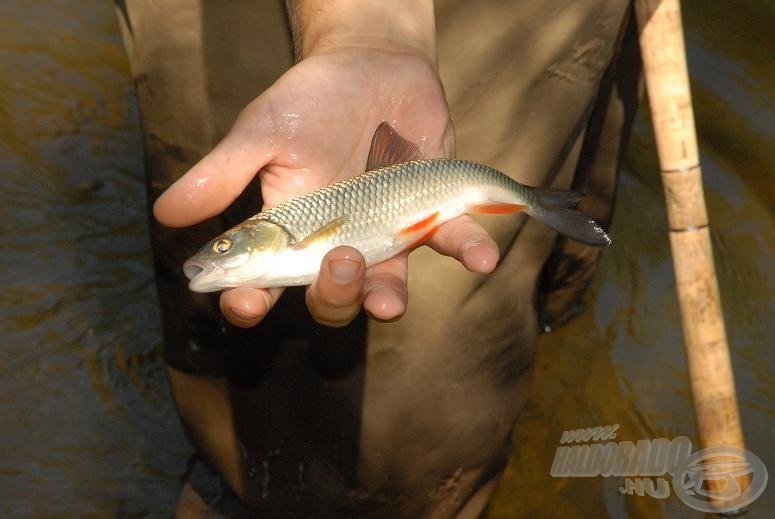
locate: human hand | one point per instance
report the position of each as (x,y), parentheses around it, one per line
(313,127)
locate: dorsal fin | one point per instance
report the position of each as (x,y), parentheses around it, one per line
(388,148)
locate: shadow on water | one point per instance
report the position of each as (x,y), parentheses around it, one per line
(88,427)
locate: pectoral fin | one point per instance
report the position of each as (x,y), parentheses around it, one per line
(323,233)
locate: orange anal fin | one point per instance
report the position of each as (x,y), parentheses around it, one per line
(497,208)
(419,226)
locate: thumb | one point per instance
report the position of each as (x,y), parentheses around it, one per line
(220,176)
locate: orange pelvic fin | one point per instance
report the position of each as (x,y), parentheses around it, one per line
(419,226)
(422,239)
(497,208)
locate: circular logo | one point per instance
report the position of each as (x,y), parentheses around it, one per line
(708,479)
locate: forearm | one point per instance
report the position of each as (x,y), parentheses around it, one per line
(322,25)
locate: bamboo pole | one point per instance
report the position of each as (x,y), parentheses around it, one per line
(667,84)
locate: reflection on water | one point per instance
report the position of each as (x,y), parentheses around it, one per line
(88,427)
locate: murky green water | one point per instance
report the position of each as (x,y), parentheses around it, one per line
(87,427)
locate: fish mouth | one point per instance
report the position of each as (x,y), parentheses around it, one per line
(202,277)
(192,270)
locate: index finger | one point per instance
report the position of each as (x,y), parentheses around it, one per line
(468,242)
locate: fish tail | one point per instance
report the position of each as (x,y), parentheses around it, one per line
(555,207)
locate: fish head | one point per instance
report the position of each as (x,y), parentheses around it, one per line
(238,257)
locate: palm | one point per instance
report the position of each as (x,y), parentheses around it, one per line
(324,112)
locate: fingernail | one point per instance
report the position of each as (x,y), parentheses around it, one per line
(343,270)
(242,313)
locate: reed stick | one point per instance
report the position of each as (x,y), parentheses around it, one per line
(667,84)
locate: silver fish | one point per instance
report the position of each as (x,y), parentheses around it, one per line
(388,209)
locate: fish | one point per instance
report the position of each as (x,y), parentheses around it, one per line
(394,206)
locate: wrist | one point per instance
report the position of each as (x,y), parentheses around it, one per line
(322,26)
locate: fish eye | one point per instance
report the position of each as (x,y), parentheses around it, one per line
(222,246)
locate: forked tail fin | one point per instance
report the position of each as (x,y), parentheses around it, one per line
(554,207)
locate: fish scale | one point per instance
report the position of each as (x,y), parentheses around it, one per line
(391,198)
(381,213)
